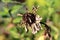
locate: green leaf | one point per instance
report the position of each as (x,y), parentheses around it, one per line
(5,9)
(13,32)
(6,0)
(17,20)
(16,8)
(30,4)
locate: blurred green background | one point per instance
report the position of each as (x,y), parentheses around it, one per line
(49,10)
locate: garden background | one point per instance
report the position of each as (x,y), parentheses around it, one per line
(12,29)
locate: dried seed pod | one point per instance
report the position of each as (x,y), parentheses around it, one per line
(29,18)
